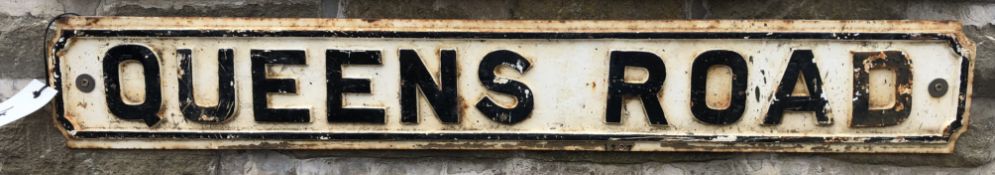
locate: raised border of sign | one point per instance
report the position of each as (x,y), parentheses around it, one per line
(72,27)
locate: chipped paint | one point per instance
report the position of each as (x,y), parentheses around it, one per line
(566,61)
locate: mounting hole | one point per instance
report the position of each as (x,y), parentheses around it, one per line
(938,87)
(85,83)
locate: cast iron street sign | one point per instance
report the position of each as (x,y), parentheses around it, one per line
(715,85)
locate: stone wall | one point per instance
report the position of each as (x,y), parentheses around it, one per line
(34,146)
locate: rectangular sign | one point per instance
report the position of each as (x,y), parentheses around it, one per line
(716,85)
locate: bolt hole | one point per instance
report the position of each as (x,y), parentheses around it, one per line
(938,87)
(84,83)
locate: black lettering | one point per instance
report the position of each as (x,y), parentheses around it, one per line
(699,75)
(801,63)
(226,89)
(863,62)
(415,76)
(148,109)
(261,86)
(522,93)
(338,85)
(646,91)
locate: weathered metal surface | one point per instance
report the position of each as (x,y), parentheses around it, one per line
(717,85)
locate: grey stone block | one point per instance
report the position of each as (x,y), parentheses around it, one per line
(21,47)
(330,8)
(31,8)
(34,146)
(81,7)
(244,8)
(515,9)
(984,64)
(969,13)
(598,9)
(798,9)
(270,162)
(416,9)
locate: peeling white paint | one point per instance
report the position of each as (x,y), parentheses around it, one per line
(567,77)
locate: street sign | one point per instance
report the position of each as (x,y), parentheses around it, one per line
(682,85)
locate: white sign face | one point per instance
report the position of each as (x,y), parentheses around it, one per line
(767,86)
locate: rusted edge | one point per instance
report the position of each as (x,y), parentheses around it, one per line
(963,46)
(54,79)
(628,146)
(471,25)
(940,30)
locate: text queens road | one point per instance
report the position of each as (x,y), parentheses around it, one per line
(816,86)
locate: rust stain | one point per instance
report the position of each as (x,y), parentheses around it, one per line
(268,24)
(463,107)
